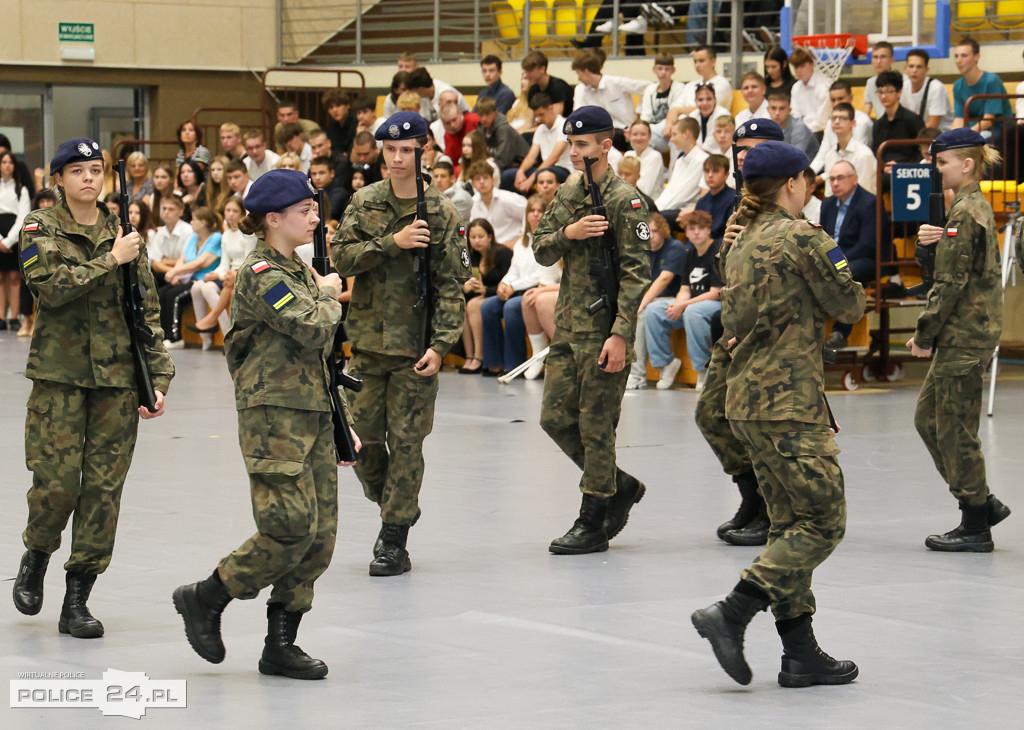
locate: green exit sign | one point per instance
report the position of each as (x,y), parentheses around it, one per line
(80,32)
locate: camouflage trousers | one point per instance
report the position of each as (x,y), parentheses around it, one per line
(711,420)
(392,415)
(78,446)
(802,484)
(580,409)
(293,475)
(947,416)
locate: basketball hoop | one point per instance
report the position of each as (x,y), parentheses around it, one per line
(831,51)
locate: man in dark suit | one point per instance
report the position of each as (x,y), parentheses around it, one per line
(848,215)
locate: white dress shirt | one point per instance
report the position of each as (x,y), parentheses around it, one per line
(808,101)
(613,93)
(863,160)
(170,244)
(547,137)
(270,160)
(652,171)
(524,272)
(861,133)
(13,203)
(683,186)
(506,214)
(707,141)
(746,114)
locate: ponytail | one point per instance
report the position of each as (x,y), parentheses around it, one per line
(254,224)
(757,197)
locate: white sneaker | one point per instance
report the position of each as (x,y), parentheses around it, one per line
(635,383)
(668,374)
(534,371)
(700,380)
(605,27)
(176,345)
(636,25)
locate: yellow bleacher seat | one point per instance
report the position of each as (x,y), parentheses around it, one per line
(506,20)
(1008,14)
(566,18)
(969,14)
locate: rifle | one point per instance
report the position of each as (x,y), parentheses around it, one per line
(132,303)
(607,269)
(737,176)
(336,358)
(925,255)
(424,306)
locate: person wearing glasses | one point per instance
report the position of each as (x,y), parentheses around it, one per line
(847,148)
(895,121)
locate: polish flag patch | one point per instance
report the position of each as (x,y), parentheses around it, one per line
(260,266)
(951,232)
(31,227)
(635,202)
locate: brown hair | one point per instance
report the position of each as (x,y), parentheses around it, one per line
(699,218)
(487,257)
(254,224)
(658,223)
(664,59)
(335,97)
(688,124)
(486,106)
(592,60)
(534,201)
(800,56)
(629,164)
(758,196)
(206,214)
(534,60)
(755,76)
(716,162)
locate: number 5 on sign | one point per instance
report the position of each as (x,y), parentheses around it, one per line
(911,185)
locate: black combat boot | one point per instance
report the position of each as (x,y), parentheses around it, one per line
(754,533)
(200,605)
(628,491)
(803,661)
(751,504)
(724,623)
(970,536)
(378,546)
(75,618)
(28,586)
(587,533)
(995,510)
(393,558)
(280,655)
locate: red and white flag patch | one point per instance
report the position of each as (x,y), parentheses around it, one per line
(636,203)
(951,232)
(260,266)
(31,227)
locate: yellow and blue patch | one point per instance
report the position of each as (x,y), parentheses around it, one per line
(279,297)
(835,255)
(29,256)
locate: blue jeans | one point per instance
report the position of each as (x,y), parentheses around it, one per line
(697,321)
(503,349)
(697,21)
(508,177)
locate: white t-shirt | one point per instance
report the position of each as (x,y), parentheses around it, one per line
(938,101)
(862,159)
(256,169)
(234,247)
(170,244)
(652,171)
(861,133)
(13,203)
(547,137)
(613,93)
(808,101)
(506,214)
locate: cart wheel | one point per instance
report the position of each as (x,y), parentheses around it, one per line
(894,372)
(850,381)
(867,374)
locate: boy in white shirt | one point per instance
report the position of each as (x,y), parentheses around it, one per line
(612,93)
(505,211)
(754,87)
(704,62)
(881,60)
(549,151)
(652,165)
(809,94)
(658,98)
(684,185)
(925,96)
(169,240)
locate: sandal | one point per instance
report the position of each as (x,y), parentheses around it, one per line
(471,371)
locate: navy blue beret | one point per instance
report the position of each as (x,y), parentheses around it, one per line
(402,125)
(774,159)
(758,129)
(276,190)
(79,149)
(956,139)
(588,120)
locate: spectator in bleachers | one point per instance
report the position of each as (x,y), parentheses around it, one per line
(113,203)
(15,204)
(668,261)
(848,148)
(409,101)
(137,169)
(289,161)
(923,95)
(110,182)
(432,154)
(26,174)
(457,124)
(141,218)
(973,81)
(776,70)
(237,175)
(474,149)
(191,187)
(796,132)
(288,112)
(163,187)
(658,98)
(754,88)
(810,94)
(430,89)
(490,262)
(708,111)
(725,126)
(505,145)
(321,146)
(342,127)
(547,184)
(612,93)
(169,240)
(881,61)
(217,188)
(895,121)
(602,24)
(258,158)
(190,140)
(628,170)
(705,61)
(407,62)
(398,88)
(364,155)
(812,204)
(652,165)
(212,293)
(436,127)
(444,180)
(693,308)
(849,217)
(504,210)
(292,139)
(535,71)
(321,174)
(495,89)
(358,181)
(200,256)
(927,136)
(549,151)
(365,109)
(505,347)
(231,141)
(539,315)
(683,187)
(841,93)
(720,199)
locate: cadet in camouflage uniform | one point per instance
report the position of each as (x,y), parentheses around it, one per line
(283,322)
(961,323)
(83,412)
(784,277)
(586,367)
(749,526)
(376,242)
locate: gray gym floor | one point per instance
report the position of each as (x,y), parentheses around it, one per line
(489,630)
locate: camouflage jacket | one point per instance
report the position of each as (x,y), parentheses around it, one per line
(381,317)
(784,277)
(81,337)
(282,330)
(627,219)
(965,305)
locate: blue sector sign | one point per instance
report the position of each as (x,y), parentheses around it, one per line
(911,186)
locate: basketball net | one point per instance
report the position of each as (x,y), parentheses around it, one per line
(829,60)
